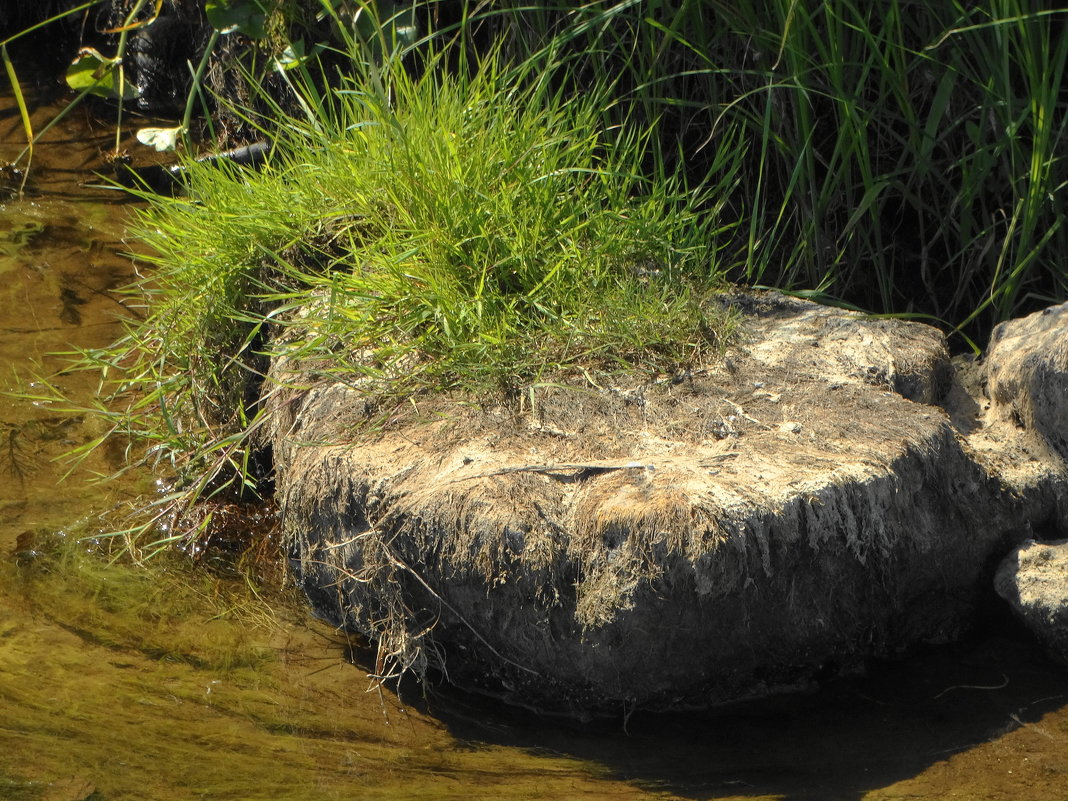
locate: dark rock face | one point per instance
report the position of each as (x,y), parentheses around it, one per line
(806,502)
(160,55)
(161,49)
(1033,579)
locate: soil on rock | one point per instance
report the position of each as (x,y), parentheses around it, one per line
(799,505)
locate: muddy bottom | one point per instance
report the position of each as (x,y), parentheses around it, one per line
(172,682)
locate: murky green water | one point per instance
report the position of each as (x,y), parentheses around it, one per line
(168,683)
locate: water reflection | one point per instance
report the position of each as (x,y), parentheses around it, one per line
(170,683)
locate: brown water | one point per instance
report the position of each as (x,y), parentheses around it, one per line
(167,682)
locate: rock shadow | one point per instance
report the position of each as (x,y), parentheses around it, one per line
(837,743)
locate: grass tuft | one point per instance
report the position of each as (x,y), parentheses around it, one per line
(475,229)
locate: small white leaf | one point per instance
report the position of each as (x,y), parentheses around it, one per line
(160,138)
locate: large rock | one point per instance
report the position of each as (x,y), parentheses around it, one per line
(797,506)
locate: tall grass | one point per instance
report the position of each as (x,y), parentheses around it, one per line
(908,158)
(904,157)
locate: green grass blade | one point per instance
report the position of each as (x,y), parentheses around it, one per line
(24,112)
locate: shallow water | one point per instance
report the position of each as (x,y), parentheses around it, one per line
(119,682)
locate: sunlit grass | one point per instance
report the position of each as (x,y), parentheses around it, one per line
(472,229)
(479,228)
(907,158)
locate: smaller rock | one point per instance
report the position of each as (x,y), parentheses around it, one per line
(1027,374)
(1033,579)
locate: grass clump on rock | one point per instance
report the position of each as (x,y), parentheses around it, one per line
(473,229)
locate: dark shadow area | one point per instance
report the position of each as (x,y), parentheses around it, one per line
(837,743)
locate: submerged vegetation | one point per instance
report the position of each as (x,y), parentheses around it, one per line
(480,196)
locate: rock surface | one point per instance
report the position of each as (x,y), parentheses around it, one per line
(831,489)
(1033,579)
(1027,365)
